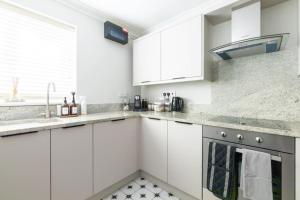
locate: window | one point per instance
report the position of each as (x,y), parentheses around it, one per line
(34,50)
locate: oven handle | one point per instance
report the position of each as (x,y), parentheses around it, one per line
(275,158)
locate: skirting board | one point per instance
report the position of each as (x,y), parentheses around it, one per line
(110,190)
(165,186)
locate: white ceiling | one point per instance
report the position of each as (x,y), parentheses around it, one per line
(142,14)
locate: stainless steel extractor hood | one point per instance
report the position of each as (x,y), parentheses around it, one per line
(257,45)
(246,35)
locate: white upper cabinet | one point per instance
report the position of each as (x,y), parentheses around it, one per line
(146,59)
(71,163)
(25,166)
(176,54)
(115,152)
(185,157)
(181,50)
(154,147)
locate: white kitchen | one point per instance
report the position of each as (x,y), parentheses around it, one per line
(149,100)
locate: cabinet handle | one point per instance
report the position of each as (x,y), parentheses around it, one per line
(154,118)
(187,123)
(19,134)
(73,126)
(145,81)
(116,120)
(178,78)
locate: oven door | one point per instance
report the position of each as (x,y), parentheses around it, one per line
(283,173)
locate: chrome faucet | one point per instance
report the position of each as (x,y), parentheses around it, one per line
(47,112)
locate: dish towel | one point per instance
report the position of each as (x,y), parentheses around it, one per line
(256,175)
(221,171)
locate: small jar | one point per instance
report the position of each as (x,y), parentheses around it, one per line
(159,106)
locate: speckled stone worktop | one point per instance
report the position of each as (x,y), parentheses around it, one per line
(291,129)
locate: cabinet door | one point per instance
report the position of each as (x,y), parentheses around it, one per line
(71,163)
(185,157)
(115,152)
(153,147)
(181,50)
(146,59)
(25,167)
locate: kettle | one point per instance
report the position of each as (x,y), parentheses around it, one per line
(177,104)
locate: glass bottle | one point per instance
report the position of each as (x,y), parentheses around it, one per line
(65,108)
(73,106)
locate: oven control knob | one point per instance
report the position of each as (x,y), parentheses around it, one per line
(223,134)
(240,137)
(259,140)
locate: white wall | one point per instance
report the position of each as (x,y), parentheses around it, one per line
(104,67)
(285,20)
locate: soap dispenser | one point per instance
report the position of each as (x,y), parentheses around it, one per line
(73,106)
(65,108)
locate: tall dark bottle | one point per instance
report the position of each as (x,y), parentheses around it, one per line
(73,106)
(65,110)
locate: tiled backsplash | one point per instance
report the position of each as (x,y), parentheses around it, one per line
(27,112)
(264,86)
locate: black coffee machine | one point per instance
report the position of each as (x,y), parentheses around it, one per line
(177,104)
(137,102)
(140,104)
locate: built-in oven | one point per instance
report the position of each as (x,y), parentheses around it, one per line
(281,148)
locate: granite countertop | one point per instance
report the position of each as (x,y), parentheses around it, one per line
(291,129)
(30,125)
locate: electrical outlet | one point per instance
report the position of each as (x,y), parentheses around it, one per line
(172,94)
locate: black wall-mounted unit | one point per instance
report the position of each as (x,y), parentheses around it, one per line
(115,33)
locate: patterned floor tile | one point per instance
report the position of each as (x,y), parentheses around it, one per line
(143,194)
(153,188)
(157,196)
(141,189)
(116,196)
(128,196)
(131,188)
(168,196)
(141,181)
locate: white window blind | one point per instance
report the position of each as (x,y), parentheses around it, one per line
(35,49)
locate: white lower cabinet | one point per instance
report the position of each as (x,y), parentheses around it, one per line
(185,157)
(25,166)
(71,163)
(86,159)
(153,147)
(115,151)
